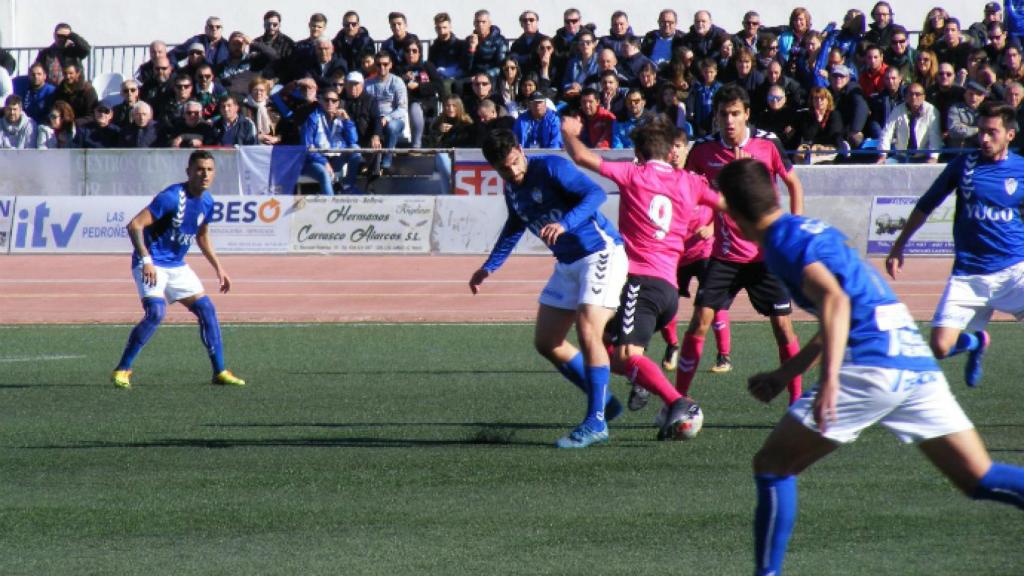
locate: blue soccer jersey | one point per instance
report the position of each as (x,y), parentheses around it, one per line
(882,332)
(988,234)
(555,190)
(177,218)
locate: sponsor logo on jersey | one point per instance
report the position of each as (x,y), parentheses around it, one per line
(1011,185)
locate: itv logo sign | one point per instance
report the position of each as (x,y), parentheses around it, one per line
(34,228)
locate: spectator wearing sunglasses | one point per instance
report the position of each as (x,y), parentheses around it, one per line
(275,40)
(353,40)
(129,96)
(215,47)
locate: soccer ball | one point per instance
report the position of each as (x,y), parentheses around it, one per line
(686,430)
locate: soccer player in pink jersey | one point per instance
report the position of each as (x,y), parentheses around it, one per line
(655,208)
(736,262)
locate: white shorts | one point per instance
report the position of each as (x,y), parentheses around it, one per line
(969,300)
(914,406)
(596,279)
(172,284)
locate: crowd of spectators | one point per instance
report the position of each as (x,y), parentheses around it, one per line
(825,91)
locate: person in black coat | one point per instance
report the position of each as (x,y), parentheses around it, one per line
(142,132)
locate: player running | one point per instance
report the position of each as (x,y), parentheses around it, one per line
(560,205)
(692,264)
(162,234)
(874,367)
(736,263)
(655,207)
(988,240)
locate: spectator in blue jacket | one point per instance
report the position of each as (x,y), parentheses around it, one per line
(329,127)
(485,47)
(581,66)
(539,127)
(212,39)
(37,95)
(635,117)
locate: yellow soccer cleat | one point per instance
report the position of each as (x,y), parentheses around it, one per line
(226,378)
(122,378)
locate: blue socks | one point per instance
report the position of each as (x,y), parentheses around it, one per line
(1002,483)
(597,397)
(209,331)
(773,521)
(154,308)
(966,342)
(573,370)
(577,372)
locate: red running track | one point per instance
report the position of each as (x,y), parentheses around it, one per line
(319,288)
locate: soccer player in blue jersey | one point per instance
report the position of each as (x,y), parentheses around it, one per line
(553,199)
(162,234)
(988,240)
(874,367)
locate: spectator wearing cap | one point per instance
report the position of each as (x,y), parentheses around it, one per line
(524,46)
(618,33)
(944,93)
(636,115)
(101,132)
(978,31)
(230,127)
(361,108)
(68,47)
(246,60)
(207,91)
(272,38)
(485,47)
(304,55)
(189,131)
(539,127)
(353,40)
(194,58)
(78,92)
(400,40)
(392,106)
(913,125)
(963,117)
(953,47)
(882,27)
(215,47)
(659,44)
(851,105)
(872,73)
(123,110)
(898,53)
(157,51)
(143,131)
(597,122)
(447,52)
(17,130)
(37,95)
(325,64)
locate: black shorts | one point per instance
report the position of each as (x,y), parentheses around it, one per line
(647,305)
(723,280)
(687,272)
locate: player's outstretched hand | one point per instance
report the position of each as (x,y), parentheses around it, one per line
(478,278)
(225,282)
(894,263)
(550,233)
(765,386)
(825,404)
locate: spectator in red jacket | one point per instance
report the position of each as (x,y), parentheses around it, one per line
(597,122)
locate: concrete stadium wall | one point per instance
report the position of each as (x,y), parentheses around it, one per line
(110,22)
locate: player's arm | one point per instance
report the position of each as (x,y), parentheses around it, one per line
(510,234)
(579,153)
(796,192)
(833,304)
(137,234)
(206,247)
(576,183)
(931,199)
(765,386)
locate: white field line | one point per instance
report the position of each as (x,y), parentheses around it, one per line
(40,358)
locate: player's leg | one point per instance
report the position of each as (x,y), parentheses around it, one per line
(787,452)
(723,340)
(716,290)
(184,287)
(154,308)
(959,322)
(769,298)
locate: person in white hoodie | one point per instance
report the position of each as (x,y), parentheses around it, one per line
(912,125)
(17,130)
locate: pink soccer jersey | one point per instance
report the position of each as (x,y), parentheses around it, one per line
(696,248)
(707,157)
(655,208)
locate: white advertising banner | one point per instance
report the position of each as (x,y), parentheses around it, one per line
(73,224)
(6,218)
(252,224)
(890,213)
(363,225)
(42,173)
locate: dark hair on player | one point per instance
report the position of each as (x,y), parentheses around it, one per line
(748,189)
(653,140)
(498,144)
(199,155)
(679,135)
(1002,110)
(728,94)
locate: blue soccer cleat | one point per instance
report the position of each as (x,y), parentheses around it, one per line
(973,368)
(584,435)
(612,409)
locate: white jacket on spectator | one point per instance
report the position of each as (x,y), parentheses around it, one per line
(20,135)
(896,134)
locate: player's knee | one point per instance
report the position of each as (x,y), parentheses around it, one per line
(203,305)
(155,309)
(766,462)
(939,348)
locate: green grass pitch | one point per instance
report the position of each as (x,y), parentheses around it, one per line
(411,449)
